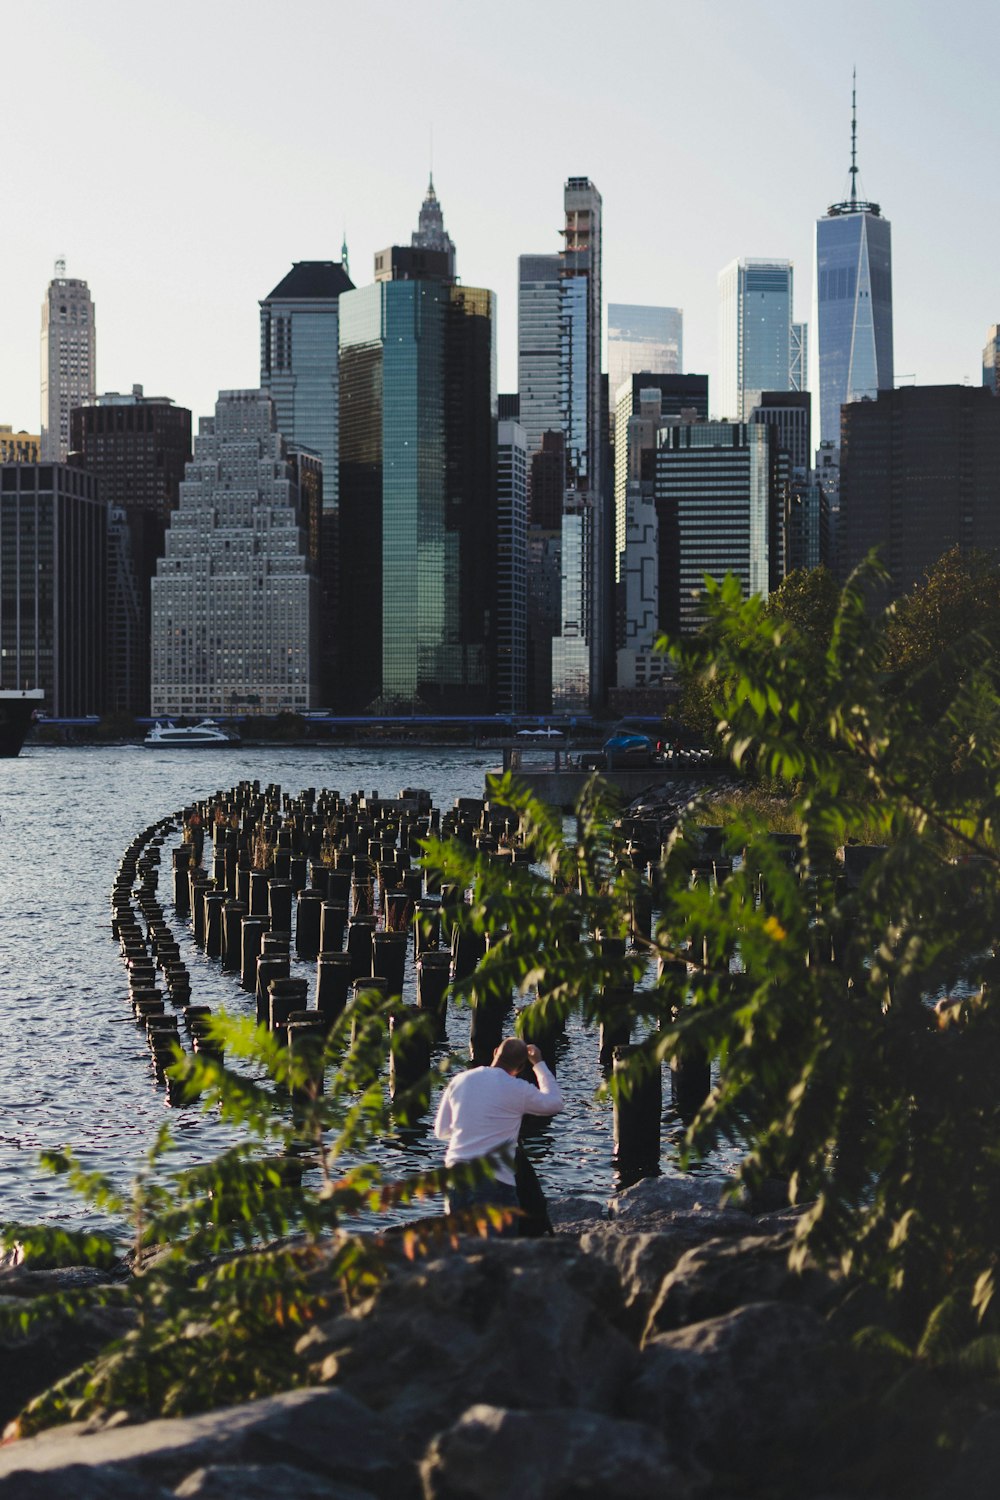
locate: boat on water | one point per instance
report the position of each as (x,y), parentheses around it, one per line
(207,735)
(17,709)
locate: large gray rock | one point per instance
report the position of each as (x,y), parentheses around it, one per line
(493,1454)
(79,1482)
(721,1274)
(323,1431)
(570,1215)
(263,1482)
(673,1192)
(32,1362)
(738,1389)
(517,1324)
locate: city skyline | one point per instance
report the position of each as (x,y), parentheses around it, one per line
(176,275)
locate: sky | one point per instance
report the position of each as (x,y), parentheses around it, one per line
(182,156)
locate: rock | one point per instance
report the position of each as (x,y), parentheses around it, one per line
(719,1275)
(569,1215)
(492,1454)
(78,1482)
(263,1482)
(642,1260)
(53,1348)
(323,1431)
(978,1466)
(673,1192)
(736,1390)
(526,1322)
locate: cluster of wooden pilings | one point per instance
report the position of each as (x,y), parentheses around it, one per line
(267,880)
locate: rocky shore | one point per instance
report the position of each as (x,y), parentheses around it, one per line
(656,1347)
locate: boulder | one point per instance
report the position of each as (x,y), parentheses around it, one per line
(520,1323)
(32,1362)
(673,1192)
(714,1277)
(325,1432)
(78,1482)
(642,1260)
(737,1390)
(570,1215)
(492,1454)
(263,1482)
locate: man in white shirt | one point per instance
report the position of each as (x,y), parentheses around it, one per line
(480,1115)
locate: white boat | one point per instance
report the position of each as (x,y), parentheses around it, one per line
(204,736)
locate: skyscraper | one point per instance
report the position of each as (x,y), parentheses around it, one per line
(680,395)
(511,568)
(430,233)
(755,334)
(539,347)
(853,312)
(235,600)
(991,360)
(418,491)
(643,338)
(300,360)
(69,358)
(137,446)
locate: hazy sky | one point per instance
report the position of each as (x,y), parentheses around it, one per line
(181,156)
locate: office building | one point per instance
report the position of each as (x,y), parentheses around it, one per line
(235,600)
(643,338)
(508,407)
(682,398)
(716,498)
(300,360)
(418,495)
(511,568)
(430,233)
(19,447)
(806,525)
(798,369)
(137,447)
(755,334)
(53,550)
(991,363)
(539,347)
(919,473)
(853,311)
(69,358)
(790,414)
(638,665)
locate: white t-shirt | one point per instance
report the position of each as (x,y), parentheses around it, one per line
(481,1112)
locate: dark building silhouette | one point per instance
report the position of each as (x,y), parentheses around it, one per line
(137,447)
(920,473)
(53,559)
(790,413)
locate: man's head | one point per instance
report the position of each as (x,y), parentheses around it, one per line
(511,1055)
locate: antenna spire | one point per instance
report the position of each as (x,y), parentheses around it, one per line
(854,137)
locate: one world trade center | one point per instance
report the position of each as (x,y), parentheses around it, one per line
(853,315)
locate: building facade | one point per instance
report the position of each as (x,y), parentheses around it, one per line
(137,447)
(643,338)
(991,363)
(235,600)
(512,568)
(53,551)
(682,398)
(853,311)
(430,233)
(919,473)
(418,497)
(19,447)
(539,347)
(69,358)
(716,494)
(755,334)
(300,360)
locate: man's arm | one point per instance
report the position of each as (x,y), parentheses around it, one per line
(444,1121)
(547,1099)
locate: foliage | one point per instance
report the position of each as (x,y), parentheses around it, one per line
(815,992)
(233,1257)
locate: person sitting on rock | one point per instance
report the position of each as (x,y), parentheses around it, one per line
(480,1116)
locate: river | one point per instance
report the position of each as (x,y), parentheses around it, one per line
(74,1069)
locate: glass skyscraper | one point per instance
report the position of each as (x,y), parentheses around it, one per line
(539,347)
(418,497)
(755,334)
(643,338)
(853,315)
(299,360)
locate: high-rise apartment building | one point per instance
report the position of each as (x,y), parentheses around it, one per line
(137,446)
(300,360)
(919,473)
(69,358)
(53,550)
(643,338)
(418,593)
(715,490)
(991,362)
(235,600)
(853,310)
(539,347)
(638,664)
(511,568)
(755,334)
